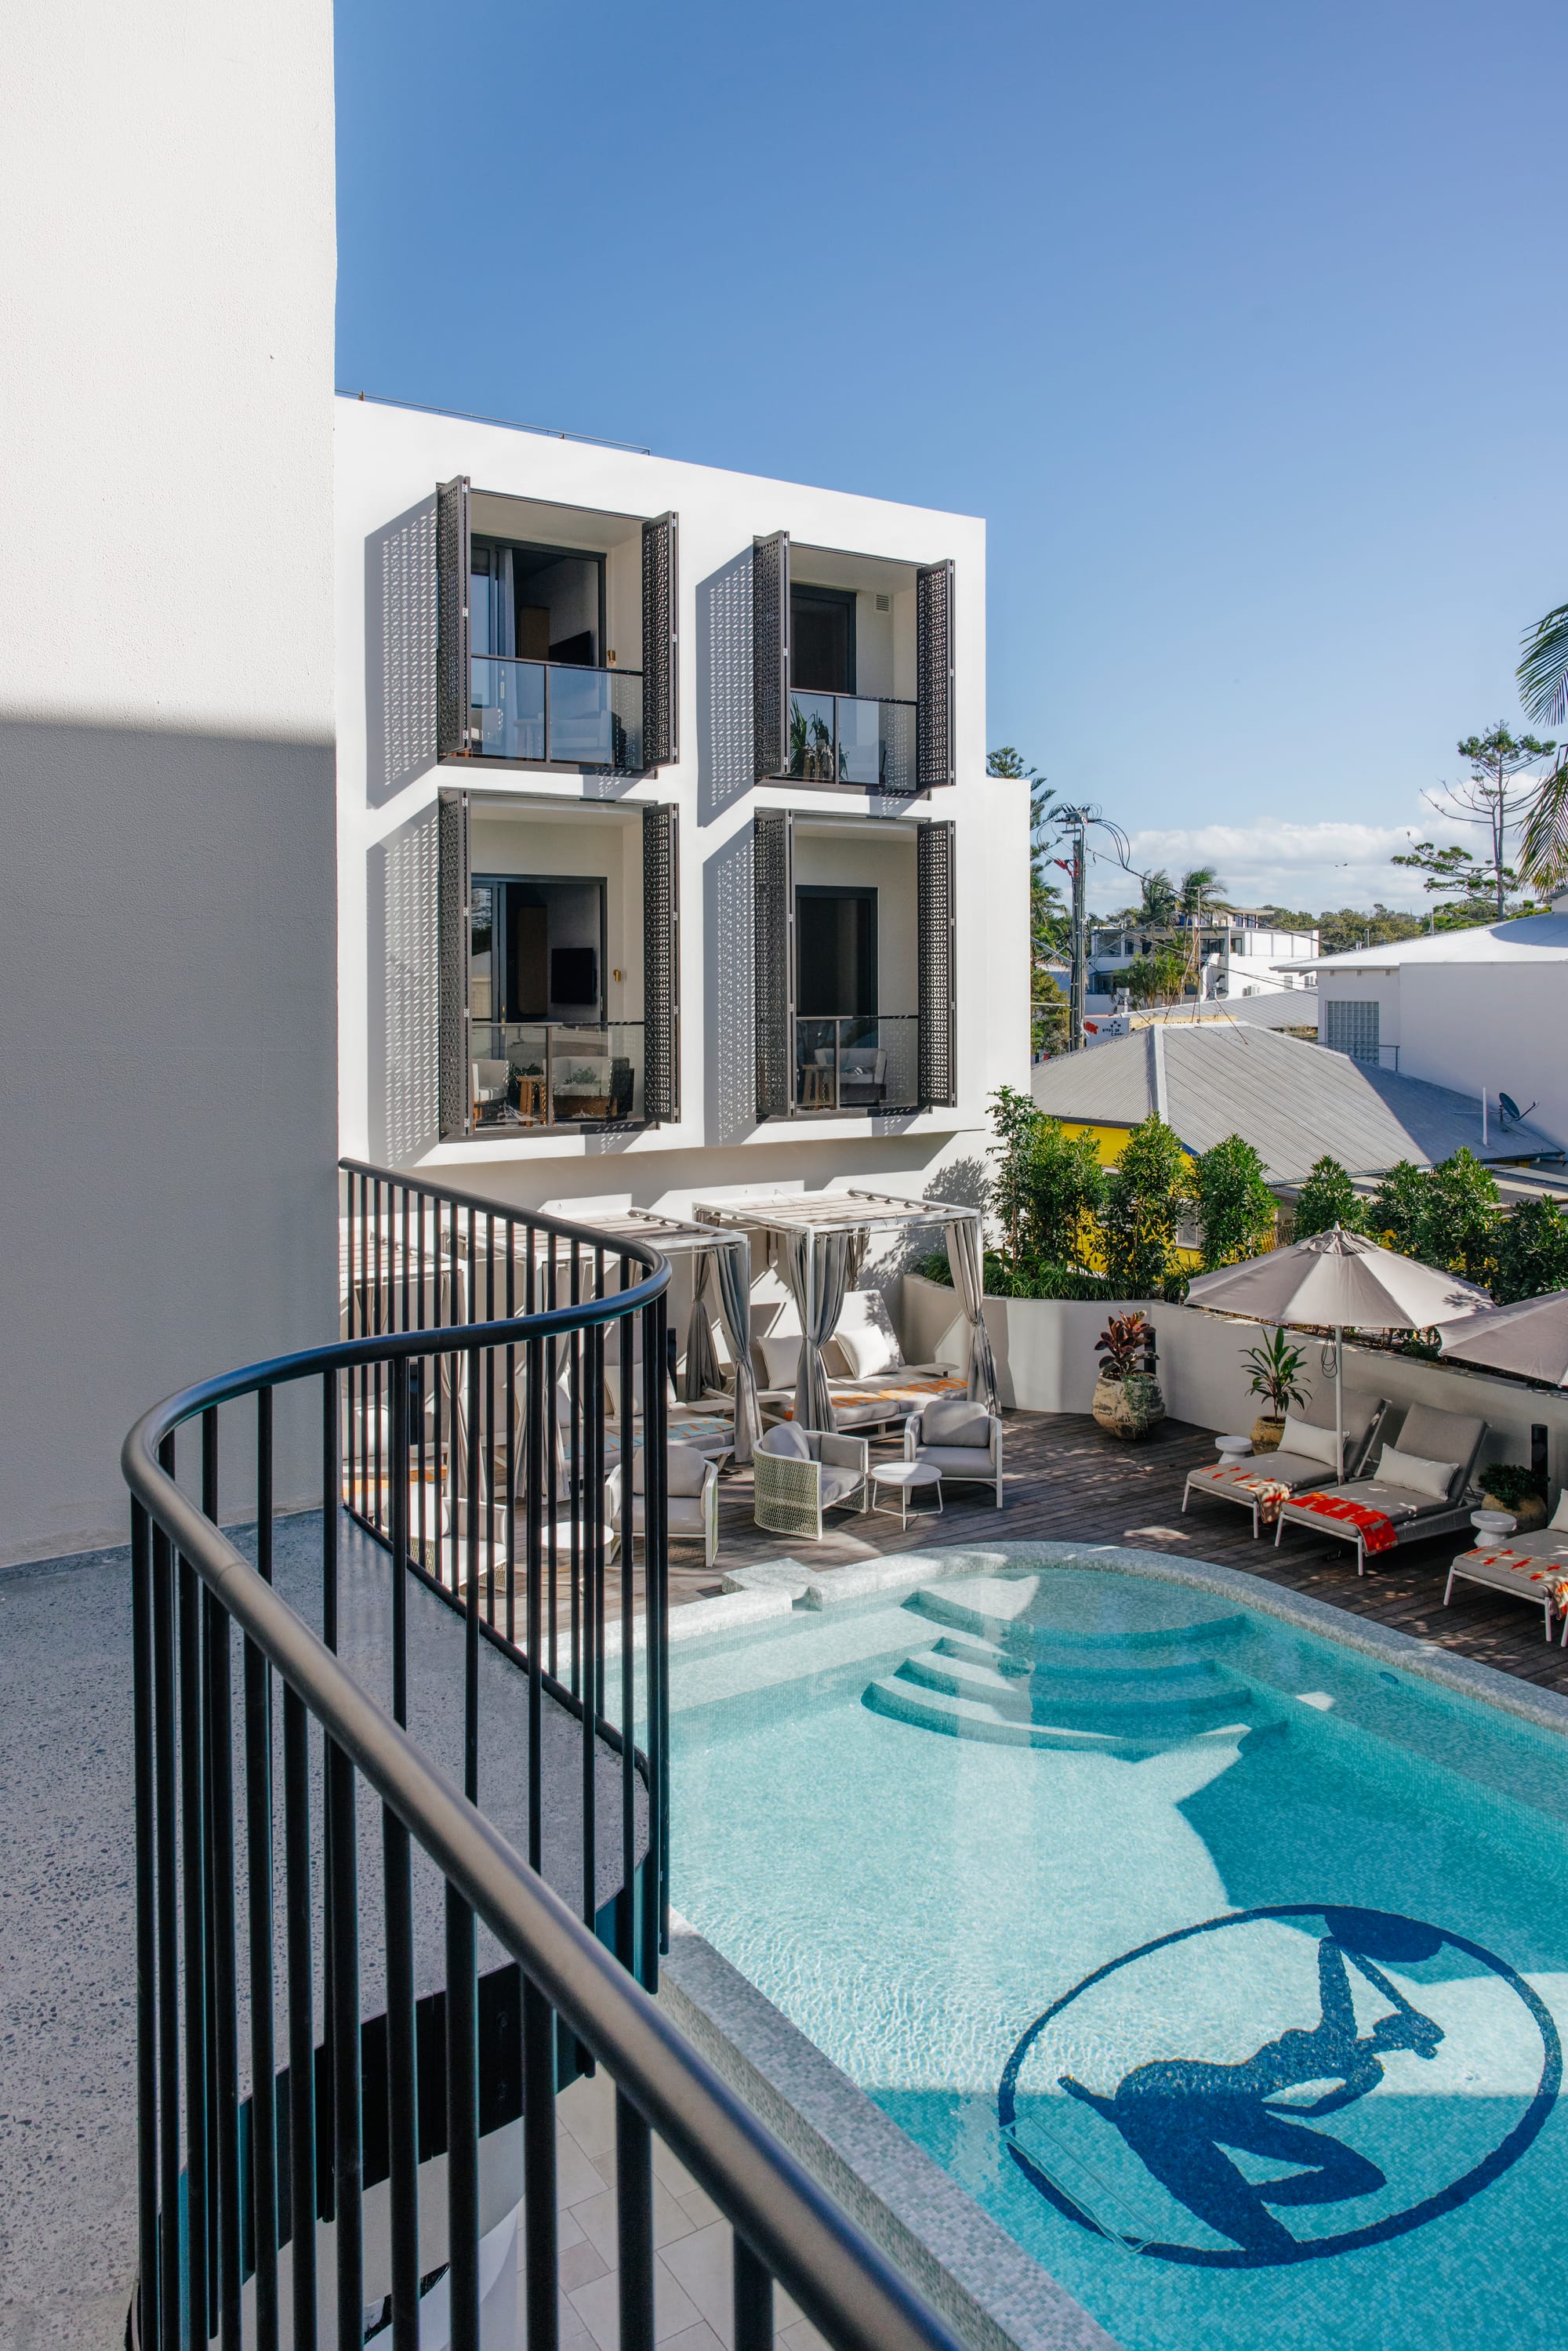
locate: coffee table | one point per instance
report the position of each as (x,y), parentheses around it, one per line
(905,1478)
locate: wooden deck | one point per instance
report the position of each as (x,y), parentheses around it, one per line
(1066,1480)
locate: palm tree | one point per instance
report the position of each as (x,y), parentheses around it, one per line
(1160,899)
(1200,887)
(1543,690)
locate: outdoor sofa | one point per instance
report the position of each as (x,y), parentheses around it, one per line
(1417,1488)
(1306,1451)
(799,1473)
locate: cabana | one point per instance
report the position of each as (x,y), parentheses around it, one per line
(723,1265)
(823,1238)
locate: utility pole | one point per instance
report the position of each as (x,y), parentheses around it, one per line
(1074,820)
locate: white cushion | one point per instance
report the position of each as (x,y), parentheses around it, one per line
(955,1420)
(685,1470)
(866,1336)
(780,1359)
(1409,1469)
(1302,1439)
(788,1441)
(1559,1519)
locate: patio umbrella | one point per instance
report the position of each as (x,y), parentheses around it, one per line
(1339,1280)
(1531,1338)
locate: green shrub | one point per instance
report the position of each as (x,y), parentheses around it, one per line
(1327,1198)
(1531,1252)
(1147,1194)
(1234,1202)
(1510,1483)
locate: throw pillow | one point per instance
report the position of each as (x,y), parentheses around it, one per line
(780,1359)
(1559,1519)
(955,1420)
(867,1352)
(1313,1444)
(1409,1469)
(865,1333)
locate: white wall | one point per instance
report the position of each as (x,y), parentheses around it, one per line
(1046,1362)
(166,716)
(389,462)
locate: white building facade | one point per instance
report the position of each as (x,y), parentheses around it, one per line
(1234,951)
(668,864)
(1484,1011)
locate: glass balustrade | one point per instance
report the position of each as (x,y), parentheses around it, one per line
(857,1061)
(557,712)
(846,738)
(557,1074)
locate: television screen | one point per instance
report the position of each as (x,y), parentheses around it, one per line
(573,975)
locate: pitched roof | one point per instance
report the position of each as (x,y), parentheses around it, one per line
(1291,1101)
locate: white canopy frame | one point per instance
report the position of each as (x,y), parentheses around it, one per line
(811,1223)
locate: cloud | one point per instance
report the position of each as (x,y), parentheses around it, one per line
(1278,864)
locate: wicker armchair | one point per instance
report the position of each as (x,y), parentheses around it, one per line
(799,1473)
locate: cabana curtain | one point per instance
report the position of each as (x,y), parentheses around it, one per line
(730,1267)
(967,1259)
(819,1270)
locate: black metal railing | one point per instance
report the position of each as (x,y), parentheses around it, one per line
(449,1304)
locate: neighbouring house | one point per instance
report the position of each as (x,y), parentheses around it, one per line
(1232,951)
(1293,1009)
(668,861)
(1288,1098)
(1482,1012)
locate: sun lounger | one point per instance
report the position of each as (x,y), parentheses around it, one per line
(1261,1482)
(1399,1504)
(1530,1567)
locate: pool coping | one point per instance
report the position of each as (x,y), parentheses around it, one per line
(993,2294)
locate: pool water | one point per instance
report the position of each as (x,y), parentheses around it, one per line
(1222,1965)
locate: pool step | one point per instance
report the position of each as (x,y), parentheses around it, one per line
(1002,1613)
(1168,1697)
(979,1717)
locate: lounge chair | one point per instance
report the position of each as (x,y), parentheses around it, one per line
(1306,1451)
(1532,1567)
(691,1498)
(957,1439)
(1417,1489)
(799,1473)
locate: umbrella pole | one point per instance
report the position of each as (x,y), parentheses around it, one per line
(1339,1398)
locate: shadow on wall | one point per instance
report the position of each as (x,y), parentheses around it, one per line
(404,1110)
(729,1070)
(962,1182)
(400,652)
(726,760)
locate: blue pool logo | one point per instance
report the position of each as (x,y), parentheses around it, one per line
(1280,2084)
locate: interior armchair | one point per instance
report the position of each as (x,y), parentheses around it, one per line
(799,1473)
(957,1438)
(862,1077)
(581,1085)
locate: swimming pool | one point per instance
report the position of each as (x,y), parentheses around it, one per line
(1222,1964)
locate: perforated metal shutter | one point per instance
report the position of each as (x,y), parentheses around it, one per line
(934,752)
(935,950)
(661,962)
(770,651)
(452,1017)
(452,617)
(773,952)
(661,643)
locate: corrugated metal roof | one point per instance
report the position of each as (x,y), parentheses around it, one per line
(1291,1101)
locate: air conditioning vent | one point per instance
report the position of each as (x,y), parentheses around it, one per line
(885,603)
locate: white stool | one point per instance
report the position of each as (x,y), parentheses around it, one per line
(1232,1448)
(906,1477)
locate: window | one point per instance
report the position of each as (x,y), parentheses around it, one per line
(821,640)
(1351,1027)
(536,603)
(537,949)
(835,946)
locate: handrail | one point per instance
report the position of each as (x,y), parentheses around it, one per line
(849,2290)
(211,2212)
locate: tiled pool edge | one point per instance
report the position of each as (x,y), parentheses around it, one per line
(993,2295)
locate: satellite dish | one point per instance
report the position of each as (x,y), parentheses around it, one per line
(1511,1114)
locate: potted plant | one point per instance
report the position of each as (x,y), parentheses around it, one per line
(1128,1399)
(1276,1378)
(1509,1486)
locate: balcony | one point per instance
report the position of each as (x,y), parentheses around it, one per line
(556,713)
(534,1073)
(846,738)
(864,1061)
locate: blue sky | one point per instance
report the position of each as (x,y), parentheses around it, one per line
(1239,324)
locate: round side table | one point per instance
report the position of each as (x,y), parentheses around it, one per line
(1493,1525)
(1232,1448)
(905,1478)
